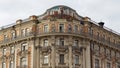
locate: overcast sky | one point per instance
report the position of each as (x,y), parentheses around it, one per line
(107,11)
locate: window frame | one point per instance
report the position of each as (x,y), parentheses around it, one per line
(61,59)
(45,60)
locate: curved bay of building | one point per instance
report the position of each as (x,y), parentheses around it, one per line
(59,38)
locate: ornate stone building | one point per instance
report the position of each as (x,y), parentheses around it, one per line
(59,38)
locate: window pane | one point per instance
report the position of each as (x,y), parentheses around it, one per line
(96,63)
(11,64)
(3,65)
(61,28)
(24,47)
(13,35)
(45,42)
(61,42)
(12,49)
(23,32)
(23,62)
(76,43)
(45,28)
(4,51)
(61,58)
(108,65)
(45,59)
(27,32)
(76,59)
(76,28)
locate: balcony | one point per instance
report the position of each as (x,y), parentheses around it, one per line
(76,49)
(23,66)
(24,53)
(46,49)
(62,48)
(17,38)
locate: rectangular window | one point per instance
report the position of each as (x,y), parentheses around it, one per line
(27,32)
(11,64)
(45,28)
(61,28)
(12,49)
(61,42)
(4,51)
(3,65)
(76,43)
(76,28)
(23,62)
(45,42)
(108,65)
(45,59)
(76,59)
(5,37)
(23,32)
(96,63)
(13,35)
(24,47)
(61,59)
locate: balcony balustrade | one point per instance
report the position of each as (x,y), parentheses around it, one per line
(45,48)
(24,52)
(22,66)
(101,40)
(62,48)
(17,38)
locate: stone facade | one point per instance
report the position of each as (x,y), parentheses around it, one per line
(59,38)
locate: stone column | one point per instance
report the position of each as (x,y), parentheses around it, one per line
(84,58)
(88,59)
(38,58)
(53,56)
(70,56)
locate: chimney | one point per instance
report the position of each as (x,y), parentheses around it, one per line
(101,24)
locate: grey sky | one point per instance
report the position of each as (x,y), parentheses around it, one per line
(107,11)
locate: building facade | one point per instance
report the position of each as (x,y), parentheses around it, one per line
(59,38)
